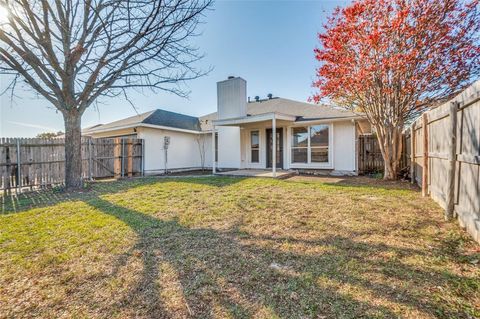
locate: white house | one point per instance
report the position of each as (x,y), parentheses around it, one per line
(246,135)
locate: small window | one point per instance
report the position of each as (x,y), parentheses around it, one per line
(255,146)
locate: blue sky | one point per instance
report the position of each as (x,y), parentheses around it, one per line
(268,43)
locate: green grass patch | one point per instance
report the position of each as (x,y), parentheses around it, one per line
(218,247)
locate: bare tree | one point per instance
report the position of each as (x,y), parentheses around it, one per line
(73,52)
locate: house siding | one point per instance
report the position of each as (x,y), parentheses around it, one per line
(344,146)
(182,153)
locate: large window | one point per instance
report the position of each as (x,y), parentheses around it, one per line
(255,146)
(310,144)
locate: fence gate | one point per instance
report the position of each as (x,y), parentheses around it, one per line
(35,162)
(370,158)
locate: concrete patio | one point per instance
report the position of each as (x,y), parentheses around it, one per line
(257,173)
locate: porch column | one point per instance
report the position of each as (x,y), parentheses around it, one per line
(214,169)
(274,146)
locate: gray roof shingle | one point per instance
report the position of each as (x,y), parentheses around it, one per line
(157,117)
(303,111)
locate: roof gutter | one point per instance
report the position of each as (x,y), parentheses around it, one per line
(159,127)
(328,120)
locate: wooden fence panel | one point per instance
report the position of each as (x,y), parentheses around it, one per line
(453,171)
(34,162)
(418,155)
(370,156)
(370,159)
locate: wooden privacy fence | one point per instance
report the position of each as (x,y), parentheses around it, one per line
(35,162)
(370,159)
(444,154)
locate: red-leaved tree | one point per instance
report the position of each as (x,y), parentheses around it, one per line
(391,58)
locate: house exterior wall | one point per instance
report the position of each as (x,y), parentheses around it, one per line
(231,103)
(229,147)
(342,148)
(234,149)
(246,146)
(183,152)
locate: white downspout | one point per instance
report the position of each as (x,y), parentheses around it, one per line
(274,146)
(214,169)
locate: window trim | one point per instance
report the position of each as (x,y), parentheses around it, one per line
(299,147)
(310,147)
(251,148)
(247,147)
(309,163)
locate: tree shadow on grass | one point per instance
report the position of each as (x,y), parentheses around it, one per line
(355,181)
(17,203)
(234,273)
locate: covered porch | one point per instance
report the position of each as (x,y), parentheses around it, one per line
(262,144)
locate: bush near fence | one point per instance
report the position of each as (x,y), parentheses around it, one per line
(445,160)
(35,162)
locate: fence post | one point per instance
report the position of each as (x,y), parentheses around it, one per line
(142,162)
(130,157)
(19,166)
(9,169)
(117,164)
(452,158)
(90,168)
(412,153)
(123,158)
(425,155)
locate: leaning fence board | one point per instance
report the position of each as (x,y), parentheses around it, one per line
(453,165)
(35,162)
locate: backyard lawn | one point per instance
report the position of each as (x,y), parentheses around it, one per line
(217,247)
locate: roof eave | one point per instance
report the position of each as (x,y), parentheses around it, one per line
(160,127)
(254,118)
(329,119)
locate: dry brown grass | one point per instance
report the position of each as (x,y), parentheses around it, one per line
(235,248)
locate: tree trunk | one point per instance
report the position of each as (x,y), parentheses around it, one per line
(390,141)
(73,150)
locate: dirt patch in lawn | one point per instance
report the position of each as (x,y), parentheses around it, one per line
(218,247)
